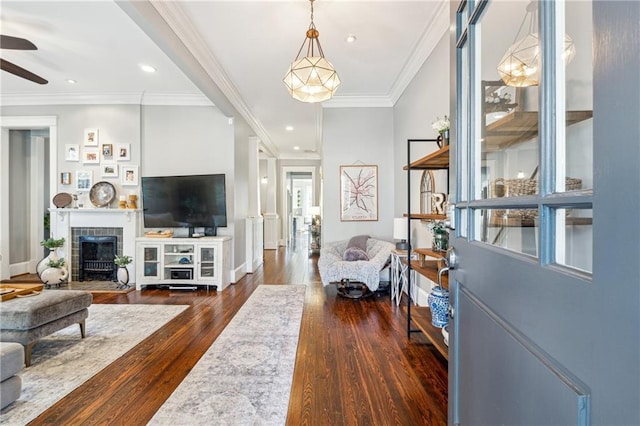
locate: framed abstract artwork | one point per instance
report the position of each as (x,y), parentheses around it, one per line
(358,193)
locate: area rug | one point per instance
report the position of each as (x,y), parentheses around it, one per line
(63,361)
(245,377)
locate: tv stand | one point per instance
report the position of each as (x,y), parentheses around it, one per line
(183,262)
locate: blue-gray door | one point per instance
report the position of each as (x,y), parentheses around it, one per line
(545,154)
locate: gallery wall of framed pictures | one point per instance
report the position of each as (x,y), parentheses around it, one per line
(95,158)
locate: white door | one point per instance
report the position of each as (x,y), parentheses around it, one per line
(546,294)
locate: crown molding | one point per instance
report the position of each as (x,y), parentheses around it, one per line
(179,22)
(433,33)
(122,98)
(382,101)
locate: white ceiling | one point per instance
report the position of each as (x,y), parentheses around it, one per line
(231,53)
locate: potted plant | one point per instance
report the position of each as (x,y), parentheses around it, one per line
(122,273)
(440,235)
(55,272)
(52,244)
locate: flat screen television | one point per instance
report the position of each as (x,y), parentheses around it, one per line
(191,201)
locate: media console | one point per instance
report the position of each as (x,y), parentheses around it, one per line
(183,261)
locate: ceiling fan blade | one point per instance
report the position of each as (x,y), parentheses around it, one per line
(21,72)
(16,43)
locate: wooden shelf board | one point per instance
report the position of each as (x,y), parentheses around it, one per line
(437,160)
(430,270)
(520,126)
(513,222)
(427,216)
(421,316)
(429,252)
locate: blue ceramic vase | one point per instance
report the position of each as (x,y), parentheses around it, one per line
(439,304)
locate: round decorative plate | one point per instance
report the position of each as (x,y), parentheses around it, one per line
(102,193)
(62,199)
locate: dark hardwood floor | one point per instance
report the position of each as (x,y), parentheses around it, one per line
(354,365)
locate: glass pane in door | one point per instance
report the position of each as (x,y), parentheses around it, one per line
(575,156)
(574,238)
(509,68)
(512,229)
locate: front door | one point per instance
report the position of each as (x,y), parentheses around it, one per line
(546,295)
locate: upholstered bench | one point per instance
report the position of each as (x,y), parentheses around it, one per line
(27,319)
(11,362)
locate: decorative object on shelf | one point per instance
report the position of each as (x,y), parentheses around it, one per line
(122,273)
(439,203)
(439,304)
(102,194)
(400,233)
(62,200)
(133,201)
(312,78)
(521,64)
(55,273)
(445,334)
(358,193)
(427,188)
(53,245)
(440,235)
(442,127)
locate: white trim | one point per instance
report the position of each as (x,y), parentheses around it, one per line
(374,101)
(238,273)
(124,98)
(21,122)
(283,193)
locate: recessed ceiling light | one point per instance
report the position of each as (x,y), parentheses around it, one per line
(350,38)
(296,148)
(289,128)
(71,81)
(147,68)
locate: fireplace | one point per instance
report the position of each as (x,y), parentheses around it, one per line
(95,259)
(93,251)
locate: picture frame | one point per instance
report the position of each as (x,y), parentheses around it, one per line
(91,137)
(107,151)
(109,170)
(129,176)
(358,193)
(72,152)
(65,178)
(84,180)
(123,152)
(91,156)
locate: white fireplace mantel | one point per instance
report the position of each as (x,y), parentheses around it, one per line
(63,220)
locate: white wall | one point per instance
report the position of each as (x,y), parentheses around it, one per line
(424,100)
(354,136)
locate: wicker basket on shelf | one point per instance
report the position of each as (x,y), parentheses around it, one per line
(502,187)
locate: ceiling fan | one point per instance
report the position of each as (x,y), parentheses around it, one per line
(17,43)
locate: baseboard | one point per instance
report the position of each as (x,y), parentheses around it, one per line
(238,273)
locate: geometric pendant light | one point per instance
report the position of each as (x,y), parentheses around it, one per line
(521,64)
(311,78)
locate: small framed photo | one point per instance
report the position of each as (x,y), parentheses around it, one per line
(65,178)
(90,156)
(90,137)
(72,152)
(107,151)
(84,180)
(123,151)
(109,170)
(129,176)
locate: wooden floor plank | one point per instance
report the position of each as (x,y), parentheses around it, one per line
(354,363)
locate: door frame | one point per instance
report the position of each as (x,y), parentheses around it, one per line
(284,170)
(24,123)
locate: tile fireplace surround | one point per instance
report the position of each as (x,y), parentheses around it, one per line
(64,220)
